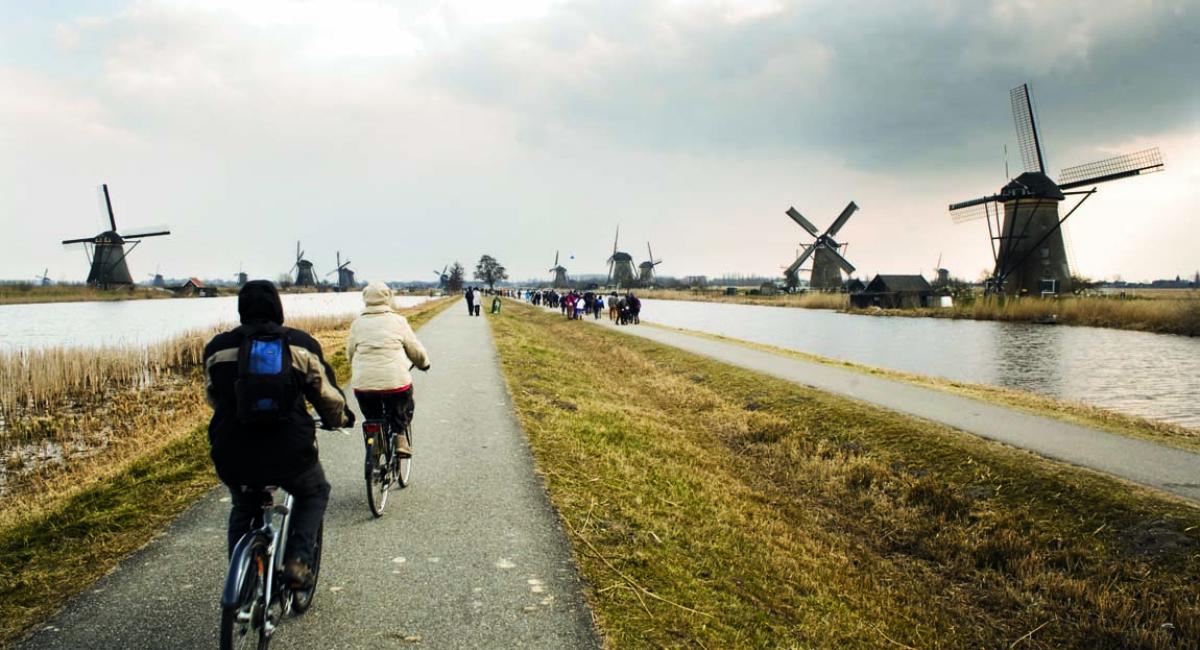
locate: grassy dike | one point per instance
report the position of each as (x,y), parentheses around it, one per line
(715,507)
(47,558)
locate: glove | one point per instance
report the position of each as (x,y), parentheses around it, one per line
(349,418)
(426,368)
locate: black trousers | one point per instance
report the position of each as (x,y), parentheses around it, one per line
(310,491)
(397,407)
(470,308)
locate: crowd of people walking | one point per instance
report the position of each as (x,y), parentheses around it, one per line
(575,305)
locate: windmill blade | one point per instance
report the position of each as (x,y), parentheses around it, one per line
(808,251)
(82,240)
(108,206)
(841,261)
(850,209)
(804,223)
(148,231)
(964,211)
(555,260)
(1027,135)
(615,238)
(1146,161)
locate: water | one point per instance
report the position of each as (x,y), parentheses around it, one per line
(1155,376)
(139,322)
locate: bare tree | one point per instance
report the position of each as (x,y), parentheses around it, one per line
(454,282)
(489,271)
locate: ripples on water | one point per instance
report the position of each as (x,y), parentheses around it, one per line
(139,322)
(1150,375)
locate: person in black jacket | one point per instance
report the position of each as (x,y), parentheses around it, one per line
(250,457)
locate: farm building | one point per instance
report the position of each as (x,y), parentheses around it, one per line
(894,292)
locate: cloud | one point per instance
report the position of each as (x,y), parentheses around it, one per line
(881,84)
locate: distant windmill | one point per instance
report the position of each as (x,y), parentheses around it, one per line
(620,266)
(241,276)
(106,252)
(560,274)
(1027,238)
(345,275)
(304,270)
(646,269)
(44,278)
(828,262)
(157,280)
(443,279)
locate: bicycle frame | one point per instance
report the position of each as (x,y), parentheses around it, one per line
(275,538)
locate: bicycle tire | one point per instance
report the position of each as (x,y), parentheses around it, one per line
(375,470)
(302,600)
(241,622)
(403,471)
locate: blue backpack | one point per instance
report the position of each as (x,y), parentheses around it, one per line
(265,388)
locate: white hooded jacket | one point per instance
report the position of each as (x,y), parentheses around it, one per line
(381,344)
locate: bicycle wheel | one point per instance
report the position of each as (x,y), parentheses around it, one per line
(404,465)
(302,600)
(242,624)
(376,473)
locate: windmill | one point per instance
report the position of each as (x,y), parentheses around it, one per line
(620,266)
(107,253)
(345,275)
(443,279)
(304,270)
(560,274)
(44,278)
(241,276)
(828,261)
(646,269)
(157,279)
(1027,236)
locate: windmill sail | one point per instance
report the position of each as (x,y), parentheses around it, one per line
(1146,161)
(850,209)
(1027,135)
(804,223)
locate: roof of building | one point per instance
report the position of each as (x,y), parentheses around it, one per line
(893,283)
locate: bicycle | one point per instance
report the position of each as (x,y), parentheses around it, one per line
(383,468)
(256,596)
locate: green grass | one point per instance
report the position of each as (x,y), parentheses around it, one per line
(60,553)
(711,506)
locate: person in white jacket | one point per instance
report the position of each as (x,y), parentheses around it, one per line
(380,348)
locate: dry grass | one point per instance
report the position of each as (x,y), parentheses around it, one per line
(65,523)
(14,294)
(808,300)
(711,506)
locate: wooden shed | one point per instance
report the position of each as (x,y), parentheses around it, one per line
(894,292)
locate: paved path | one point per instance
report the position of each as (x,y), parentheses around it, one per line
(1158,466)
(470,556)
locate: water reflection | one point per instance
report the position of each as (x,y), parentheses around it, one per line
(138,322)
(1150,375)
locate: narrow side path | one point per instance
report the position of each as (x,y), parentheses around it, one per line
(1158,466)
(472,555)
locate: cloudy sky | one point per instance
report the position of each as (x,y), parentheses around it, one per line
(411,134)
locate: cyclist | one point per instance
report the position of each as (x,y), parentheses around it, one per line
(261,433)
(380,348)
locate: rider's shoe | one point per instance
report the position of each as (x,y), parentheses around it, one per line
(298,575)
(402,448)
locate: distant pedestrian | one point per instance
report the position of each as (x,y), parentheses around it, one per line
(478,300)
(470,302)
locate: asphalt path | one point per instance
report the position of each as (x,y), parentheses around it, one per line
(471,555)
(1154,465)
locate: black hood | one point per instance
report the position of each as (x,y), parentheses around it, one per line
(259,301)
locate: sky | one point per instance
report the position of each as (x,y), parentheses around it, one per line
(408,135)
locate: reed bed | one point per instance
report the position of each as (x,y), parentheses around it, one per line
(807,300)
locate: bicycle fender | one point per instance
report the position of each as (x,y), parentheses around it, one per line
(239,568)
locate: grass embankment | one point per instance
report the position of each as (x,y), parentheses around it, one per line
(15,294)
(66,523)
(715,507)
(1075,412)
(1168,313)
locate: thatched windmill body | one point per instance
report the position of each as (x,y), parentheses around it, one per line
(44,278)
(443,279)
(345,275)
(1026,236)
(241,276)
(560,274)
(157,279)
(107,253)
(825,251)
(646,269)
(304,270)
(621,271)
